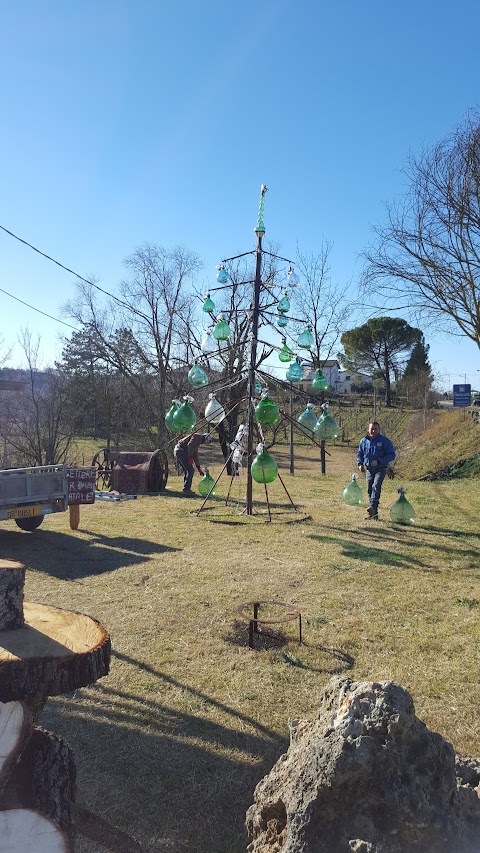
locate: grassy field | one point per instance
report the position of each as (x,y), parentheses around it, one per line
(172,743)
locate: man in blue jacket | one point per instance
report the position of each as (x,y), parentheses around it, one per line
(375,452)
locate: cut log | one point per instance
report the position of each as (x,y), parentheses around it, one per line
(26,831)
(43,781)
(12,582)
(57,651)
(16,727)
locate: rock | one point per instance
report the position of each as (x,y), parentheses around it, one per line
(366,776)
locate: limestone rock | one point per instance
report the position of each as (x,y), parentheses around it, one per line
(366,776)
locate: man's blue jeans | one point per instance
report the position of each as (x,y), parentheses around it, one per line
(375,478)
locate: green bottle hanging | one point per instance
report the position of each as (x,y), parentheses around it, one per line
(319,383)
(264,469)
(327,427)
(352,494)
(284,304)
(295,372)
(222,330)
(209,304)
(222,275)
(184,418)
(257,388)
(169,416)
(197,376)
(308,418)
(282,321)
(206,485)
(402,511)
(266,411)
(306,339)
(286,354)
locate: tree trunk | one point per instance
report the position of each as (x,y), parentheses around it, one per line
(57,651)
(37,801)
(12,580)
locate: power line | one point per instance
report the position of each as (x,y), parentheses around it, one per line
(38,309)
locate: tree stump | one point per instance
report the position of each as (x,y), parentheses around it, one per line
(44,651)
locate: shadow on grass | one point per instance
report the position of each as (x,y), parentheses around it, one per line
(379,556)
(266,641)
(176,778)
(67,557)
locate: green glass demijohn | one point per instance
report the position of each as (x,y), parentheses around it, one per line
(306,339)
(308,418)
(169,416)
(222,331)
(286,354)
(284,304)
(184,418)
(209,304)
(402,511)
(197,376)
(206,485)
(295,372)
(327,427)
(319,382)
(257,388)
(282,321)
(222,275)
(264,469)
(352,494)
(266,411)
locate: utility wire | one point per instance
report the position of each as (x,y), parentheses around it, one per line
(50,316)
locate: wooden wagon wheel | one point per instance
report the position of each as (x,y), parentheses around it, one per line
(158,473)
(104,465)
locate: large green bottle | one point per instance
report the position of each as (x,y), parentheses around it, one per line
(206,484)
(295,372)
(306,339)
(169,416)
(221,331)
(209,304)
(352,494)
(286,354)
(184,419)
(402,511)
(308,418)
(266,411)
(284,304)
(319,382)
(327,427)
(264,468)
(197,376)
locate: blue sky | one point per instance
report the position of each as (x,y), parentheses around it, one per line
(125,122)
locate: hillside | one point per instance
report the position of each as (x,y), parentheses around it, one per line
(450,437)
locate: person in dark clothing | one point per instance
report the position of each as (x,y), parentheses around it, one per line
(186,454)
(375,453)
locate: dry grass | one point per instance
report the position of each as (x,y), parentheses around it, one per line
(172,743)
(450,435)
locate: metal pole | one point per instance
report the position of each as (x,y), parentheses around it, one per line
(259,231)
(322,457)
(292,460)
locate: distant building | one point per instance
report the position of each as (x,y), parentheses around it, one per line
(338,379)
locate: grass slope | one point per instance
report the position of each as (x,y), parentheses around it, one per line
(451,436)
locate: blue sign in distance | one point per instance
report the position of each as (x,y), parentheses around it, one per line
(462,395)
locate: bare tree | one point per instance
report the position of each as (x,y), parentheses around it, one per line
(427,257)
(144,333)
(37,426)
(324,306)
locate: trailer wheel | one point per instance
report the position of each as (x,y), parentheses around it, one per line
(30,523)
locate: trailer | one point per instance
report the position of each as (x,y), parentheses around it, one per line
(27,495)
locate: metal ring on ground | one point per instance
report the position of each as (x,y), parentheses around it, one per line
(254,621)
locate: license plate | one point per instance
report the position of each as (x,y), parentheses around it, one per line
(23,512)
